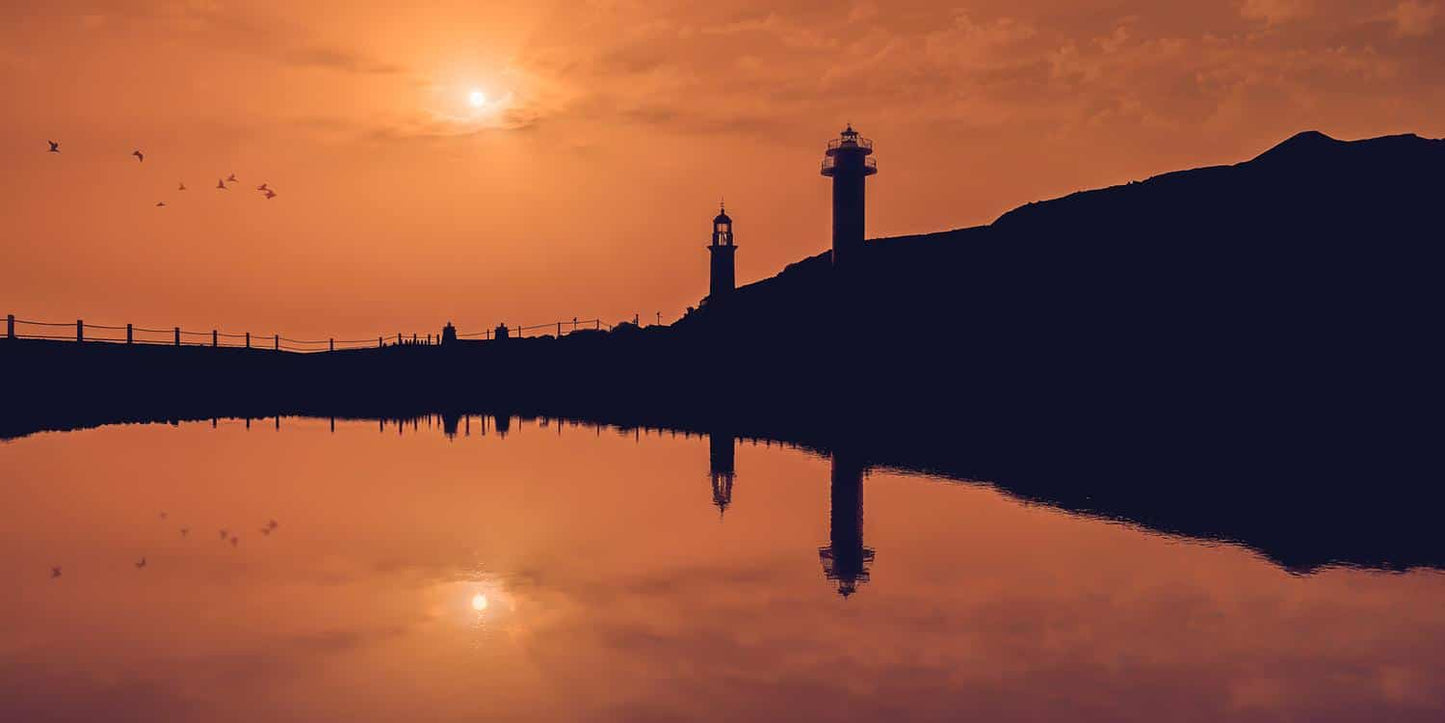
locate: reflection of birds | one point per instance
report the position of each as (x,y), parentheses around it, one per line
(231,178)
(160,204)
(141,157)
(221,184)
(183,186)
(54,147)
(54,573)
(140,565)
(270,194)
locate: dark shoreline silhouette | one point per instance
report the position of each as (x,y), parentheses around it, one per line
(1240,352)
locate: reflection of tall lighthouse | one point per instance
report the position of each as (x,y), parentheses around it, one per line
(848,162)
(720,469)
(845,559)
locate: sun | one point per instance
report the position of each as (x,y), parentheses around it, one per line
(477,98)
(479,602)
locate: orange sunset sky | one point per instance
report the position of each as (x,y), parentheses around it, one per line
(585,184)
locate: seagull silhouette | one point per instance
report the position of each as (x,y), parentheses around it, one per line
(266,530)
(231,178)
(270,194)
(141,565)
(183,186)
(141,157)
(221,184)
(54,147)
(160,204)
(261,187)
(224,534)
(235,540)
(273,524)
(185,532)
(54,573)
(164,515)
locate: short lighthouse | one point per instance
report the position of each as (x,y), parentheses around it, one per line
(848,161)
(723,279)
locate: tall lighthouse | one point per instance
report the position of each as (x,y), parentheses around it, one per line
(848,161)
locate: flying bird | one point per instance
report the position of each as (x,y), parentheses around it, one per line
(185,532)
(261,187)
(266,530)
(270,194)
(54,573)
(141,157)
(235,541)
(141,565)
(54,147)
(160,204)
(231,178)
(221,184)
(164,515)
(273,524)
(183,186)
(224,534)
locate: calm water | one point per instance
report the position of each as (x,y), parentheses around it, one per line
(569,573)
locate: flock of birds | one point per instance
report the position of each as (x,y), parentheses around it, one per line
(225,534)
(140,157)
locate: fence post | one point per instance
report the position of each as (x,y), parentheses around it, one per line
(129,334)
(178,336)
(248,340)
(413,339)
(378,343)
(277,340)
(214,339)
(398,338)
(428,339)
(559,330)
(79,330)
(10,326)
(333,348)
(597,324)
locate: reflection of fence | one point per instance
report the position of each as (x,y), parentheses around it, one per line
(79,331)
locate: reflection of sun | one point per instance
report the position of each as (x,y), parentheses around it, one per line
(479,602)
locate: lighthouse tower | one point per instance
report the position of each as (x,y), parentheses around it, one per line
(723,279)
(848,161)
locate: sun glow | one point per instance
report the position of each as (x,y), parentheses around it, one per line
(477,98)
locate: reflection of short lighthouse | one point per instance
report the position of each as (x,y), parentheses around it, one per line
(845,559)
(720,469)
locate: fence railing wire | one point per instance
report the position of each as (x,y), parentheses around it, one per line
(84,331)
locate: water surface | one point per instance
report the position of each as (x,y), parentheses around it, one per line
(565,572)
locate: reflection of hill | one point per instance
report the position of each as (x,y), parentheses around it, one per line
(1243,351)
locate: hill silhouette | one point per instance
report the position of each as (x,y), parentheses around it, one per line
(1235,350)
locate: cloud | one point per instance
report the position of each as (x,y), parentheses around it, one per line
(1274,12)
(1414,18)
